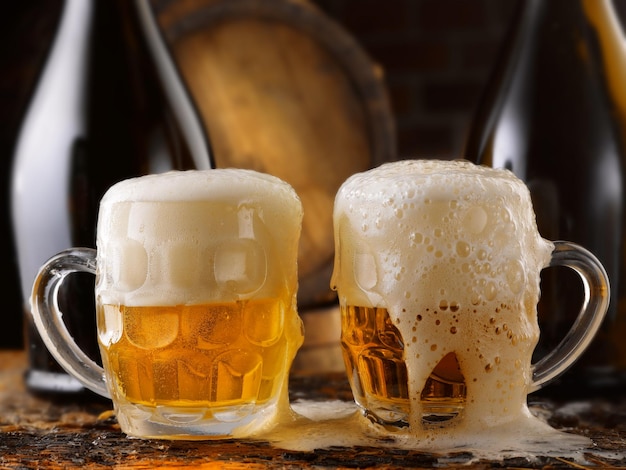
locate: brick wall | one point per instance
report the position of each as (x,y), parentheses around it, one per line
(436,55)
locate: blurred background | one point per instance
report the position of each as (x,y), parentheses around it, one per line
(435,55)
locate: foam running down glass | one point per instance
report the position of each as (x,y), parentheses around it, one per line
(437,269)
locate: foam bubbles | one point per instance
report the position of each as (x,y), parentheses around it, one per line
(463,249)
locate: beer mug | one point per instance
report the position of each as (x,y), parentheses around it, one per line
(437,267)
(196,283)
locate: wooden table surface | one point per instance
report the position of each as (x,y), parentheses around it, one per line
(39,433)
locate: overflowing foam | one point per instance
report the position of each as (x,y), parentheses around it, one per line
(196,237)
(452,251)
(315,425)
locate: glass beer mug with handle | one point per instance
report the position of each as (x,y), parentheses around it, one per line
(196,281)
(438,273)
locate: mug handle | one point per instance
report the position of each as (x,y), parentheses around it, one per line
(595,305)
(49,318)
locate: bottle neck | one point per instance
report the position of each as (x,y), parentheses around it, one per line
(176,92)
(603,19)
(562,34)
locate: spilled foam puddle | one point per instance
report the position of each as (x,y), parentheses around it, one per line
(318,425)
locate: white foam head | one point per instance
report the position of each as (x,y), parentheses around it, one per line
(452,251)
(190,237)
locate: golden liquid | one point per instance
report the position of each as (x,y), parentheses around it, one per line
(373,350)
(211,355)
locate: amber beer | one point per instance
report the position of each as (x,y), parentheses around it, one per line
(437,270)
(214,355)
(374,352)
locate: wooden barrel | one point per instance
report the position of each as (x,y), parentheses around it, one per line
(283,89)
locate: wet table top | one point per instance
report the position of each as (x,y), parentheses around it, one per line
(41,433)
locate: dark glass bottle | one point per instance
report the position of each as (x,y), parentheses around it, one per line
(108,105)
(554,112)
